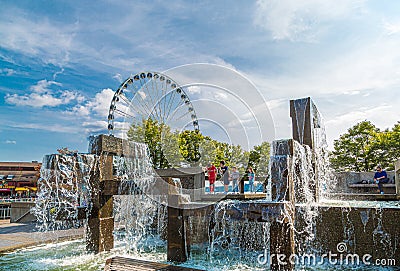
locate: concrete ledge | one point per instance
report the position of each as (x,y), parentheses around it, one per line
(218,197)
(14,236)
(369,197)
(370,185)
(120,263)
(20,212)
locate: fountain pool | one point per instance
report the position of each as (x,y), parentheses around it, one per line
(72,256)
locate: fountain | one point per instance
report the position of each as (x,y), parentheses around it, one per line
(119,196)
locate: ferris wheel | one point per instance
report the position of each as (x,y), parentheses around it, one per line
(151,95)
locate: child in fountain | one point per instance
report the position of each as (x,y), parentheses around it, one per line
(251,176)
(380,178)
(235,175)
(225,175)
(212,173)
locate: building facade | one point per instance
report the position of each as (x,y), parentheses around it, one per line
(19,179)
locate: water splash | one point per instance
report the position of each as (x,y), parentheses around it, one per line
(230,235)
(140,215)
(64,191)
(365,217)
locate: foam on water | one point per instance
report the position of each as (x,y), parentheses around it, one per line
(71,256)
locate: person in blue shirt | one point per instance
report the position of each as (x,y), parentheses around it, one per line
(251,177)
(380,178)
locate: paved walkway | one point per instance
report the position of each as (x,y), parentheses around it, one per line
(19,235)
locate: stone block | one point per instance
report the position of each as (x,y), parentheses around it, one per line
(364,230)
(106,234)
(105,143)
(302,123)
(178,245)
(106,209)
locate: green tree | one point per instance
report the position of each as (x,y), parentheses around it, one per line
(388,146)
(208,151)
(153,134)
(189,146)
(259,159)
(169,148)
(364,146)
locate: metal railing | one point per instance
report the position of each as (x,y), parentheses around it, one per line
(5,212)
(7,200)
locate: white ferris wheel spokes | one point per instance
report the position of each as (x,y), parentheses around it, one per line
(151,95)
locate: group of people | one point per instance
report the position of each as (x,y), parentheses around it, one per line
(227,176)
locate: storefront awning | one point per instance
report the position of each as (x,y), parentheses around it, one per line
(32,188)
(21,189)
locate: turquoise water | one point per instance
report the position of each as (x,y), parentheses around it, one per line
(71,255)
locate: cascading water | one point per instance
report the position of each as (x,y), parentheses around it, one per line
(324,176)
(63,189)
(305,196)
(140,215)
(235,241)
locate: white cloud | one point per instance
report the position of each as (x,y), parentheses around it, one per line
(118,77)
(300,20)
(13,142)
(391,28)
(42,86)
(57,73)
(36,37)
(59,128)
(94,126)
(42,96)
(99,105)
(33,99)
(7,72)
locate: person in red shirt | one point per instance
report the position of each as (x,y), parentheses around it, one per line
(212,174)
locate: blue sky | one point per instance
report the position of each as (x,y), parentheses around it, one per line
(59,60)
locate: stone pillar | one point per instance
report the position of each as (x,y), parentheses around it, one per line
(241,185)
(282,246)
(302,121)
(282,189)
(282,185)
(397,177)
(306,129)
(199,185)
(178,245)
(99,235)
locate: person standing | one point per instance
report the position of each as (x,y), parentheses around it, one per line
(380,178)
(225,175)
(212,174)
(251,176)
(235,175)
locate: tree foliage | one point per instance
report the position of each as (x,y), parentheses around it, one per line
(259,158)
(364,146)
